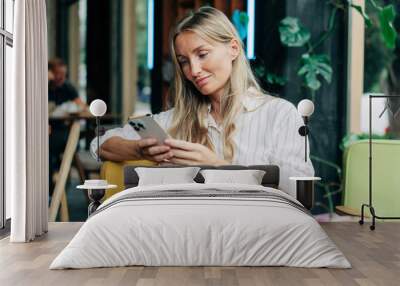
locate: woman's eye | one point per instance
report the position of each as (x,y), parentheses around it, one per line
(203,55)
(183,62)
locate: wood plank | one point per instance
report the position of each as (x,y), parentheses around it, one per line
(352,211)
(64,216)
(374,255)
(69,152)
(355,66)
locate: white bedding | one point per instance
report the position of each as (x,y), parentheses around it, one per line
(181,231)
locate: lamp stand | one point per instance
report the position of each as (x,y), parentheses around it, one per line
(370,203)
(303,131)
(95,196)
(98,137)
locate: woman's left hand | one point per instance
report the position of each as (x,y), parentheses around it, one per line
(187,153)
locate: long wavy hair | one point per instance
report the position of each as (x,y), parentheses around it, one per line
(190,106)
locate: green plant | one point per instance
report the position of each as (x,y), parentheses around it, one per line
(330,188)
(313,67)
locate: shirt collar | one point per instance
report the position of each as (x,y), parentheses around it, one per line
(251,101)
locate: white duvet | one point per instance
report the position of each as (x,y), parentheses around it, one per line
(183,231)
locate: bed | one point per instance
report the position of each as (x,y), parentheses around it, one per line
(201,224)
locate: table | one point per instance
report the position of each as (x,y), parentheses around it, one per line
(59,195)
(95,193)
(90,120)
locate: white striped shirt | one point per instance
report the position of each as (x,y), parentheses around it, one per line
(266,133)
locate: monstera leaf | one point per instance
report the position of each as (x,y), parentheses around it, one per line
(360,10)
(388,32)
(292,33)
(311,67)
(240,20)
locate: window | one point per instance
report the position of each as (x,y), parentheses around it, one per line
(381,74)
(6,44)
(9,13)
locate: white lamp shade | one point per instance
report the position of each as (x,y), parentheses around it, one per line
(305,108)
(98,107)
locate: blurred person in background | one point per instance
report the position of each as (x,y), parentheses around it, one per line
(60,89)
(61,92)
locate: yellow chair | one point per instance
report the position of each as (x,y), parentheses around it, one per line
(113,172)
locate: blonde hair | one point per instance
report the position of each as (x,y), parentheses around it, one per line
(190,106)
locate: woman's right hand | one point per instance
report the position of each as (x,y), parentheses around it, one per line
(149,149)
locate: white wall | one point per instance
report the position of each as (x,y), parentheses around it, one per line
(378,124)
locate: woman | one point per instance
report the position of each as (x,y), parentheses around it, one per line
(220,115)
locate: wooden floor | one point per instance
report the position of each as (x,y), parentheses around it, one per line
(374,255)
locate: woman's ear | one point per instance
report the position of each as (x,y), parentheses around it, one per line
(234,49)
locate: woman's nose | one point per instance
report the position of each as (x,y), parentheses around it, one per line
(195,68)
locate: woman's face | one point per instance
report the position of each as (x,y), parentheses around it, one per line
(208,65)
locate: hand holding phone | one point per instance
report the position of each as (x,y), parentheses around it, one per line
(147,127)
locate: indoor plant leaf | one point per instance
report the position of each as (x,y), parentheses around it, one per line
(375,5)
(259,71)
(276,79)
(312,66)
(388,32)
(312,81)
(292,33)
(360,10)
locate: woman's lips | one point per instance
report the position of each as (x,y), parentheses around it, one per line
(202,81)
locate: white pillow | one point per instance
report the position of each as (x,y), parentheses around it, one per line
(248,177)
(165,176)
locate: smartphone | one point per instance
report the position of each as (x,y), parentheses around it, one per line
(147,127)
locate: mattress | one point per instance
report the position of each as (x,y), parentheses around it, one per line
(201,225)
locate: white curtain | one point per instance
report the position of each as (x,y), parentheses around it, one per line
(27,124)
